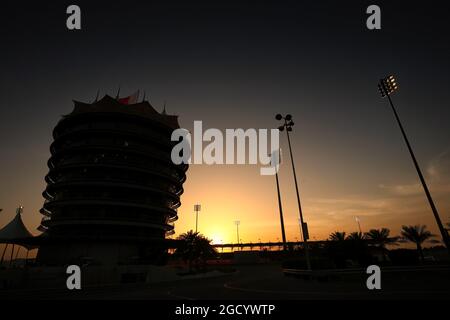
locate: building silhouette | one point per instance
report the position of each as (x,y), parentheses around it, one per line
(112,190)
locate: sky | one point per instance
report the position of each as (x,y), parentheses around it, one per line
(235,64)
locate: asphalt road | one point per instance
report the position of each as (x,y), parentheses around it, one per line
(263,282)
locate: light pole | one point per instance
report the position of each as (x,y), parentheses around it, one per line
(280,206)
(387,86)
(197,208)
(359,224)
(288,123)
(237,223)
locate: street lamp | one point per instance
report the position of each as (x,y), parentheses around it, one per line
(288,124)
(388,86)
(359,224)
(197,208)
(280,206)
(237,223)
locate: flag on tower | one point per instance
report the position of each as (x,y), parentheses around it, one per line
(130,99)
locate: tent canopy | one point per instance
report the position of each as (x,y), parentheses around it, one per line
(14,231)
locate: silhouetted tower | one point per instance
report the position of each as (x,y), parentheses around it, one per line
(112,190)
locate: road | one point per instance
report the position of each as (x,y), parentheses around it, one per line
(262,282)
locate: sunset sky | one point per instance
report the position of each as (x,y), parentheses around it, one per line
(236,65)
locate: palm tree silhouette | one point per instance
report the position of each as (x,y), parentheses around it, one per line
(380,237)
(194,247)
(337,236)
(418,235)
(356,236)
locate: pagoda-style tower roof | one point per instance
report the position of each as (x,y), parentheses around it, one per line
(108,104)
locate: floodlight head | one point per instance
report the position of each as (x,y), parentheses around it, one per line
(291,123)
(388,85)
(278,116)
(281,128)
(289,129)
(288,117)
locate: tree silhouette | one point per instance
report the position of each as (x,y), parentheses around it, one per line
(342,248)
(418,235)
(194,248)
(355,236)
(337,236)
(380,237)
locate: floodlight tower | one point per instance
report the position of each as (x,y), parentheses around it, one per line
(288,124)
(197,208)
(388,86)
(275,164)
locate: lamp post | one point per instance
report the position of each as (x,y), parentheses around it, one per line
(387,86)
(237,223)
(288,124)
(280,206)
(359,224)
(197,208)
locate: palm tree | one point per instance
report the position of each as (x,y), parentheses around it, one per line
(380,237)
(194,247)
(356,236)
(418,235)
(337,236)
